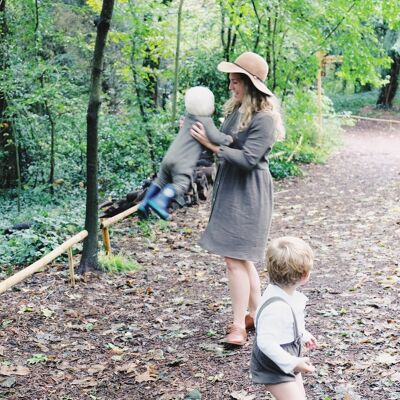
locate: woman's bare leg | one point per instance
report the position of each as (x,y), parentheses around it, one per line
(244,285)
(239,286)
(255,288)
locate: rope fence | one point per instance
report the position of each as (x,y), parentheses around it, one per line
(390,121)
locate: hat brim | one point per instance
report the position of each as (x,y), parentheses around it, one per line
(231,68)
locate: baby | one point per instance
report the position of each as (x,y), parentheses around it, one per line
(181,158)
(276,359)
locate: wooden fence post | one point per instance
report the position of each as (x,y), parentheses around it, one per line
(106,222)
(106,240)
(71,267)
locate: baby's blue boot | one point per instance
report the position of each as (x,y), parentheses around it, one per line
(159,204)
(143,209)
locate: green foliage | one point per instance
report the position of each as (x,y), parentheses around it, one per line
(52,224)
(37,358)
(200,70)
(117,263)
(281,168)
(48,63)
(357,103)
(46,55)
(354,102)
(145,228)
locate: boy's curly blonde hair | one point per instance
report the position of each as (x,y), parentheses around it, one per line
(289,259)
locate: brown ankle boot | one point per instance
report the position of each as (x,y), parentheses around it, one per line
(249,322)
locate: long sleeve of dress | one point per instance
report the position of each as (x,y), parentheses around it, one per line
(213,134)
(258,143)
(274,322)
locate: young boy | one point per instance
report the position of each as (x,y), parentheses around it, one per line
(280,332)
(180,160)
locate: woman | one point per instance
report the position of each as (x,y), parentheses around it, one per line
(242,200)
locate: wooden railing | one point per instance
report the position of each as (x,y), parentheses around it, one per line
(105,223)
(36,266)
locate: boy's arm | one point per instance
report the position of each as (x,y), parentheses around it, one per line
(309,340)
(271,323)
(213,134)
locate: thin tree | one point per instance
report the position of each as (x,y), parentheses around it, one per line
(8,173)
(388,92)
(176,72)
(89,260)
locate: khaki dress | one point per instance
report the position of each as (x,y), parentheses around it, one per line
(243,194)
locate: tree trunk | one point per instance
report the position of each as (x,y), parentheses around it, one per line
(89,260)
(258,30)
(228,34)
(388,92)
(145,118)
(52,138)
(176,70)
(8,170)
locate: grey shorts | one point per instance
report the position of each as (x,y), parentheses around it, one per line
(265,371)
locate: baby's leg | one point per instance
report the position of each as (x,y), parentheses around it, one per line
(181,183)
(163,177)
(287,391)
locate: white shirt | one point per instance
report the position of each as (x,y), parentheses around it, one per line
(275,326)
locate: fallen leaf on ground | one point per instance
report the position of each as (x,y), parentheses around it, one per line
(94,369)
(85,382)
(386,358)
(8,382)
(14,370)
(242,395)
(149,375)
(127,368)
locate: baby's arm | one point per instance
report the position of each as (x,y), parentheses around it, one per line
(213,134)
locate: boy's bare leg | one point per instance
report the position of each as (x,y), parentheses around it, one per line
(287,391)
(299,381)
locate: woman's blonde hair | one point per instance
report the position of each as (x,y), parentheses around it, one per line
(255,101)
(289,259)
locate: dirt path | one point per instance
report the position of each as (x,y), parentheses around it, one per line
(155,334)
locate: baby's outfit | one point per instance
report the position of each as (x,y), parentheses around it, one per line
(181,158)
(178,165)
(280,333)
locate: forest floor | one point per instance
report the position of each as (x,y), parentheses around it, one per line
(155,333)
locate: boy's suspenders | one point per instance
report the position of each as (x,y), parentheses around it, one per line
(273,300)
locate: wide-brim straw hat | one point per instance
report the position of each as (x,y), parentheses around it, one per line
(252,65)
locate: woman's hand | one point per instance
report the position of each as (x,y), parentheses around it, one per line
(304,365)
(199,133)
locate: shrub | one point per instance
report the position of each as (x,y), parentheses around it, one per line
(117,263)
